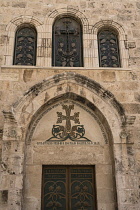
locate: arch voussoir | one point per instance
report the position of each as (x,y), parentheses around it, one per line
(69,83)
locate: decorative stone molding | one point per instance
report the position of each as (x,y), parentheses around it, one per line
(78,79)
(130,120)
(12,26)
(130,44)
(9,116)
(112,24)
(124,135)
(70,11)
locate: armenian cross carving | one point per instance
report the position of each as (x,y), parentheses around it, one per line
(62,133)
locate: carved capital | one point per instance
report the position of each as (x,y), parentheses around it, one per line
(123,135)
(9,116)
(130,120)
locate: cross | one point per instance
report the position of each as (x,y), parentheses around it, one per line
(68,117)
(68,31)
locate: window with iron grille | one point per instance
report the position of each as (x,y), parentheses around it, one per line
(25,46)
(67,43)
(108,48)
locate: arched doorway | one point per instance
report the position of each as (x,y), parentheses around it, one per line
(43,103)
(69,158)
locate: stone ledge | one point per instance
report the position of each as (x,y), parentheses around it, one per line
(64,68)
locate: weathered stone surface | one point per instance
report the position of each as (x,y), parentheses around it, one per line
(3,197)
(27,75)
(137,97)
(9,77)
(132,108)
(111,94)
(108,76)
(131,44)
(138,5)
(19,4)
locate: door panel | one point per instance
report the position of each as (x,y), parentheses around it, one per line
(81,181)
(68,188)
(54,188)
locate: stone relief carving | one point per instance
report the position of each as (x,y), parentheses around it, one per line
(62,133)
(67,127)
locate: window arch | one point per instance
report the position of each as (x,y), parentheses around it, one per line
(67,49)
(108,48)
(25,46)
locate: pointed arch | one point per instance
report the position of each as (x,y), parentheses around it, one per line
(70,82)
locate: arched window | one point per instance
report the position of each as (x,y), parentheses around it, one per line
(25,46)
(108,48)
(67,43)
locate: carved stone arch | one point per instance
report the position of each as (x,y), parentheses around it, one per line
(14,23)
(111,24)
(11,31)
(121,36)
(70,11)
(64,83)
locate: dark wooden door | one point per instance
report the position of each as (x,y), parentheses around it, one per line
(68,188)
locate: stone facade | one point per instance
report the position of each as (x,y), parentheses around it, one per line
(107,100)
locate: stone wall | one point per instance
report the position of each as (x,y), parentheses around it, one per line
(22,93)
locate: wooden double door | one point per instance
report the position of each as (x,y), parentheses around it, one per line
(68,188)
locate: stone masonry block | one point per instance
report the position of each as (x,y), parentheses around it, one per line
(132,108)
(107,76)
(3,196)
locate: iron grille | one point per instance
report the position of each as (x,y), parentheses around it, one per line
(108,49)
(67,43)
(25,46)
